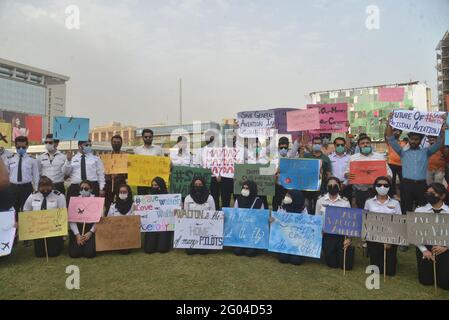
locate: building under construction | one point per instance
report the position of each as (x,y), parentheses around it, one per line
(443,72)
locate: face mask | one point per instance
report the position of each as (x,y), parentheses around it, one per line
(50,147)
(382,191)
(155,190)
(366,150)
(84,194)
(116,147)
(22,151)
(87,150)
(333,190)
(283,152)
(46,193)
(198,189)
(431,198)
(340,149)
(258,149)
(316,147)
(245,192)
(287,200)
(123,196)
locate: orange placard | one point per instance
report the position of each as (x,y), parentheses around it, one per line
(367,171)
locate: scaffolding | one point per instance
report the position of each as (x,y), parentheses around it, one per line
(442,51)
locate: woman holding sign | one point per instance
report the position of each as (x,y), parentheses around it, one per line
(335,246)
(158,241)
(123,204)
(248,200)
(425,255)
(45,199)
(382,203)
(82,245)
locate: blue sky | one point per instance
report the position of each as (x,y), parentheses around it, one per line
(232,55)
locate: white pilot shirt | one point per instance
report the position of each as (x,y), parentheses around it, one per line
(30,170)
(5,155)
(51,166)
(94,169)
(55,200)
(326,201)
(391,206)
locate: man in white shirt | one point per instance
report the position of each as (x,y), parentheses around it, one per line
(84,166)
(339,160)
(147,149)
(50,163)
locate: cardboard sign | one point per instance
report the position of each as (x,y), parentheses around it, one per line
(297,234)
(300,174)
(42,224)
(5,135)
(7,232)
(428,228)
(254,124)
(85,209)
(262,175)
(246,228)
(366,172)
(303,120)
(385,228)
(181,177)
(143,169)
(198,229)
(343,221)
(157,212)
(115,163)
(427,123)
(69,128)
(118,233)
(333,117)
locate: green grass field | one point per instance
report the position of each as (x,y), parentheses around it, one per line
(219,275)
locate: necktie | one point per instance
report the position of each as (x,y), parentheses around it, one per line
(437,210)
(83,168)
(44,204)
(19,172)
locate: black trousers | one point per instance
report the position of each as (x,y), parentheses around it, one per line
(362,196)
(223,189)
(333,252)
(59,187)
(21,192)
(347,193)
(290,258)
(412,194)
(376,257)
(191,252)
(160,242)
(74,190)
(425,269)
(54,247)
(249,252)
(312,197)
(279,194)
(87,250)
(397,172)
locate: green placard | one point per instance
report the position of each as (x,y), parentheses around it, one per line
(181,178)
(262,175)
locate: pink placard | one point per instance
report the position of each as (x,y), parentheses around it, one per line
(391,94)
(333,117)
(85,209)
(303,120)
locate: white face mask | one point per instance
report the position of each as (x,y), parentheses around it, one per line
(245,192)
(84,194)
(123,196)
(382,191)
(50,147)
(287,200)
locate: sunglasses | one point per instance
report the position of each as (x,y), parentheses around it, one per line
(147,137)
(49,142)
(339,145)
(379,185)
(87,145)
(85,189)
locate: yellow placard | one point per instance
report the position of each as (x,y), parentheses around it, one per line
(42,224)
(5,134)
(115,163)
(143,169)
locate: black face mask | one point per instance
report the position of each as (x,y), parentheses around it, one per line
(154,190)
(116,147)
(198,189)
(333,190)
(431,198)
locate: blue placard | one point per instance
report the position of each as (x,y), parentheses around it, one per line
(246,228)
(296,233)
(343,221)
(69,128)
(300,174)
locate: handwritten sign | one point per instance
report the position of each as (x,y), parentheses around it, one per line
(428,228)
(254,124)
(143,169)
(262,175)
(118,233)
(297,234)
(385,228)
(427,123)
(5,135)
(343,221)
(69,128)
(366,172)
(157,212)
(246,228)
(280,119)
(115,163)
(85,209)
(221,161)
(391,94)
(42,224)
(333,117)
(300,174)
(181,177)
(303,120)
(7,232)
(198,229)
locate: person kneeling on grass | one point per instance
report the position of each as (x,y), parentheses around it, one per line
(82,245)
